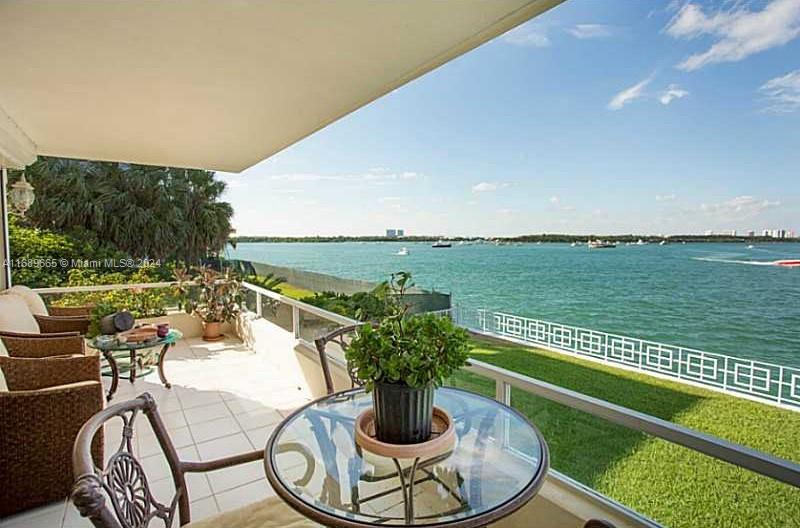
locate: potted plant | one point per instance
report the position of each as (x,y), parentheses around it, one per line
(216,300)
(401,359)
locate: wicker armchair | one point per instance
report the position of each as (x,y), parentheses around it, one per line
(70,311)
(48,320)
(49,324)
(119,495)
(48,400)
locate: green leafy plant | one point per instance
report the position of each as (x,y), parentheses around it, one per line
(141,302)
(269,281)
(216,299)
(417,350)
(364,306)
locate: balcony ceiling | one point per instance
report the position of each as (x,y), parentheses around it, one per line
(215,84)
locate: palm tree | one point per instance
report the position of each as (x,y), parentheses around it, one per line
(145,211)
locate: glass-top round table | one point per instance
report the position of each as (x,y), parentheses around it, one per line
(498,463)
(109,347)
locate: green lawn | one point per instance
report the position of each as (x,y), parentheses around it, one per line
(671,484)
(294,292)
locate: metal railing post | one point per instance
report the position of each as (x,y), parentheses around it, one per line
(258,304)
(502,392)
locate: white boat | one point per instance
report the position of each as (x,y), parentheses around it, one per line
(641,242)
(442,244)
(600,244)
(402,253)
(750,246)
(662,243)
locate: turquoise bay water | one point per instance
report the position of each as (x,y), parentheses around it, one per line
(714,297)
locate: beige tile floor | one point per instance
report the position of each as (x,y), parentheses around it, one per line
(224,400)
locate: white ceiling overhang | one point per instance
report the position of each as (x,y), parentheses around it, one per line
(215,84)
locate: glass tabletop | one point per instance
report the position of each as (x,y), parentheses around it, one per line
(497,464)
(172,337)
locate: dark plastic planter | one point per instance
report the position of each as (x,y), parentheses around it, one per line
(403,415)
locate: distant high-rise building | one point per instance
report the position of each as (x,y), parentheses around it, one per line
(751,233)
(401,232)
(766,233)
(709,232)
(395,233)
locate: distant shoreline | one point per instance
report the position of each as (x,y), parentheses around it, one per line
(524,239)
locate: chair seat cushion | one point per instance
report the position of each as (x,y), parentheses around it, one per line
(269,513)
(15,315)
(32,299)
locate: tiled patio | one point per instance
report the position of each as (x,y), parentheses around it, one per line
(225,399)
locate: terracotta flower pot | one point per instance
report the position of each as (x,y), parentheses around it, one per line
(211,331)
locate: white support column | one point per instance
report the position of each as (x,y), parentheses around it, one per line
(296,321)
(5,248)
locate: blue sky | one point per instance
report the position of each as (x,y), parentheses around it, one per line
(600,116)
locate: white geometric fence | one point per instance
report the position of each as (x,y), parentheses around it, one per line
(757,380)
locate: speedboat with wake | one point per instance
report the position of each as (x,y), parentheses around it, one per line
(402,253)
(790,263)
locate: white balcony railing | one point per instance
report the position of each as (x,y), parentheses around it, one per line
(765,464)
(762,463)
(752,379)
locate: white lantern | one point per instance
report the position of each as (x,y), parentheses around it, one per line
(21,195)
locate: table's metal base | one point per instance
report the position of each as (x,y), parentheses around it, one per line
(132,372)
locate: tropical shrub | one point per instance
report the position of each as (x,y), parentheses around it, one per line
(417,350)
(217,297)
(141,302)
(43,258)
(269,281)
(363,306)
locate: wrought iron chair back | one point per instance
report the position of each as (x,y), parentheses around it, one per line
(340,337)
(119,495)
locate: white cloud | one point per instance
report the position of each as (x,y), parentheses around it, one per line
(591,31)
(389,199)
(738,31)
(472,202)
(554,199)
(376,175)
(739,207)
(530,34)
(672,92)
(782,94)
(629,94)
(665,197)
(489,187)
(484,187)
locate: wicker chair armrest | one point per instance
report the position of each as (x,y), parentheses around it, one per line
(43,345)
(28,335)
(26,374)
(49,324)
(46,392)
(62,311)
